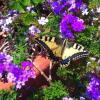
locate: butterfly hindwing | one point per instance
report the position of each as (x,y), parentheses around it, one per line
(73,52)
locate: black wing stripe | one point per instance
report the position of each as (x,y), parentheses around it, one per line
(74,57)
(49,51)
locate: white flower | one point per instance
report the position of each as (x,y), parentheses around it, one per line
(85,12)
(80,20)
(9,58)
(92,58)
(42,21)
(1,22)
(94,18)
(88,63)
(20,84)
(82,98)
(10,77)
(30,9)
(71,1)
(67,98)
(0,75)
(72,6)
(5,28)
(9,20)
(98,9)
(83,6)
(99,61)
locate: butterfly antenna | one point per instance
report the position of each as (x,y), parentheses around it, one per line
(64,45)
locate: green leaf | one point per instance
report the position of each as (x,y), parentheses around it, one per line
(28,19)
(37,1)
(16,6)
(26,2)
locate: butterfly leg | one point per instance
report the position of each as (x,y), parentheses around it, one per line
(42,73)
(50,69)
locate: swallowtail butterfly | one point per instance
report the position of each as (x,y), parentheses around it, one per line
(60,50)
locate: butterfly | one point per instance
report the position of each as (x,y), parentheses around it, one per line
(60,50)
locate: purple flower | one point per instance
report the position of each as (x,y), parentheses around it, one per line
(5,58)
(33,30)
(93,88)
(65,31)
(75,5)
(14,73)
(2,56)
(1,68)
(15,69)
(1,22)
(19,84)
(69,24)
(69,18)
(13,12)
(78,4)
(24,77)
(26,64)
(78,26)
(59,7)
(11,77)
(5,28)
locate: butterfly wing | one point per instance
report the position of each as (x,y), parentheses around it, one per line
(72,52)
(55,44)
(49,52)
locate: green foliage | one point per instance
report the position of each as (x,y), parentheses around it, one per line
(74,71)
(17,5)
(19,54)
(37,1)
(93,3)
(27,18)
(55,91)
(85,37)
(88,39)
(64,72)
(21,4)
(8,95)
(52,27)
(95,48)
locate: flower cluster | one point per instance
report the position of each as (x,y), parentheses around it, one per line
(30,9)
(70,24)
(10,72)
(58,7)
(42,21)
(62,6)
(67,98)
(33,30)
(5,21)
(93,88)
